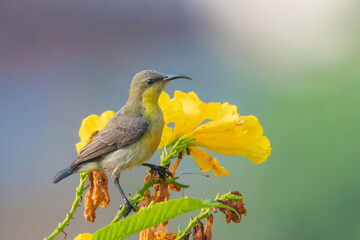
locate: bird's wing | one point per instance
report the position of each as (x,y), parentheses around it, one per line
(119,133)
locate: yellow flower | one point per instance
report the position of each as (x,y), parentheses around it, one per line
(206,162)
(224,131)
(83,236)
(239,136)
(187,111)
(91,124)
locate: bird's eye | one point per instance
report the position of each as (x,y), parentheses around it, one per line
(150,81)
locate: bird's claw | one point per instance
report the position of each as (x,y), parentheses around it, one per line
(161,170)
(128,208)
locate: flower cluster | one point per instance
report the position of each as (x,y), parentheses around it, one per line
(215,126)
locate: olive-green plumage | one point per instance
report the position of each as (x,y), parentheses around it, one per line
(132,136)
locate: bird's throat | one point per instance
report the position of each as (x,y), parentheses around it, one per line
(150,104)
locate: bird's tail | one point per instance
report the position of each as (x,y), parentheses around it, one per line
(63,174)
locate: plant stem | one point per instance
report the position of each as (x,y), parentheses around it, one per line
(176,147)
(205,213)
(193,222)
(172,181)
(79,193)
(139,196)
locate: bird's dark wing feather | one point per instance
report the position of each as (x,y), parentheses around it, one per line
(118,133)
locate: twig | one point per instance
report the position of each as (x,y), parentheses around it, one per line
(193,222)
(79,192)
(176,147)
(139,196)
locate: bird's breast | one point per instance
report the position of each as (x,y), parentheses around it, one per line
(152,137)
(139,152)
(148,143)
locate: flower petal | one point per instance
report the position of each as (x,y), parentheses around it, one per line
(88,125)
(187,111)
(171,108)
(206,162)
(195,112)
(80,145)
(83,236)
(166,136)
(91,124)
(241,136)
(227,110)
(104,119)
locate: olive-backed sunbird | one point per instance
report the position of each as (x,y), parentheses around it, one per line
(131,136)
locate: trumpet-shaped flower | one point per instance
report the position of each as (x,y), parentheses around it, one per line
(91,124)
(240,136)
(187,111)
(224,132)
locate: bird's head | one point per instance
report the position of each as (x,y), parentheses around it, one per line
(147,85)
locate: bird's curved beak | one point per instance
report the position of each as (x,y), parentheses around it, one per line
(170,77)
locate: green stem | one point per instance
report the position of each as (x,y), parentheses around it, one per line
(205,213)
(172,181)
(79,193)
(176,147)
(139,196)
(193,222)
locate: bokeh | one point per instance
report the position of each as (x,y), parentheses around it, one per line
(293,64)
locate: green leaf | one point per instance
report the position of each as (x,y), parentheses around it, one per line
(172,181)
(152,216)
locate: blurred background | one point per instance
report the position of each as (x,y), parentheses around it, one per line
(293,64)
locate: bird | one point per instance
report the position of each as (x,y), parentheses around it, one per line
(131,136)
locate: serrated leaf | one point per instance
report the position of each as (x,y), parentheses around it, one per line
(152,216)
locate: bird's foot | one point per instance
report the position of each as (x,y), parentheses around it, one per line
(128,208)
(162,171)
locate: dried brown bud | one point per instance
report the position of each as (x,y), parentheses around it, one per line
(198,233)
(148,234)
(174,187)
(101,194)
(173,171)
(97,194)
(166,236)
(161,233)
(237,205)
(154,175)
(176,164)
(161,193)
(89,212)
(237,193)
(208,227)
